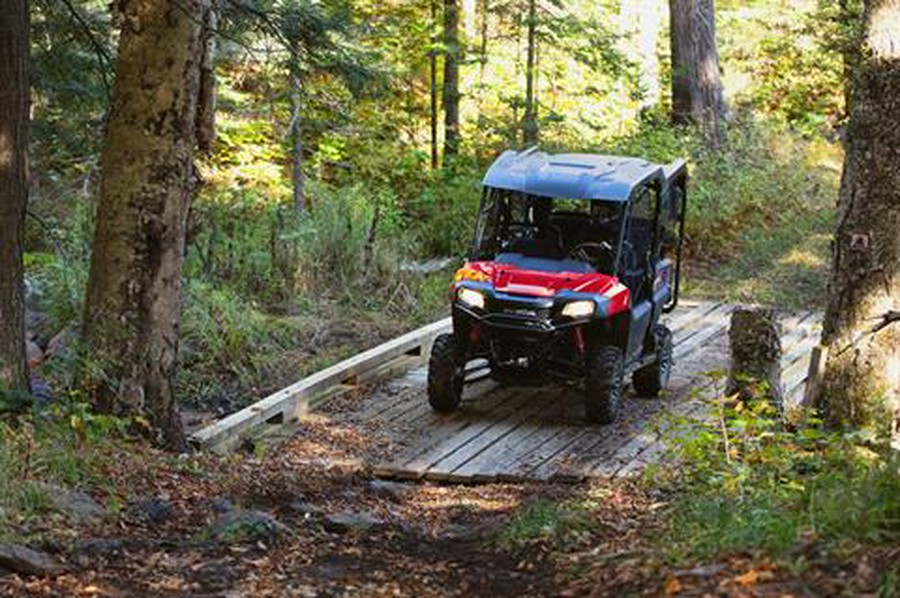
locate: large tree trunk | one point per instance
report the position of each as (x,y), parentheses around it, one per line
(696,81)
(14,102)
(132,303)
(452,58)
(530,123)
(861,383)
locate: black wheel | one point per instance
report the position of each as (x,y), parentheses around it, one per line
(445,375)
(605,379)
(654,377)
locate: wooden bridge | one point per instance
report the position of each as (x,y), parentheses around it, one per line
(517,433)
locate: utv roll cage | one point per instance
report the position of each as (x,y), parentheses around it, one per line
(615,182)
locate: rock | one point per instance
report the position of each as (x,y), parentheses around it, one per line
(34,353)
(154,510)
(24,560)
(75,504)
(34,323)
(98,547)
(61,342)
(32,294)
(238,525)
(41,390)
(306,509)
(221,505)
(394,491)
(355,521)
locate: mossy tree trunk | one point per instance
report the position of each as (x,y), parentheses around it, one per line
(14,103)
(755,340)
(696,80)
(452,57)
(861,382)
(132,304)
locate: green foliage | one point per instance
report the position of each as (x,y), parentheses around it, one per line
(68,109)
(59,272)
(760,207)
(68,446)
(556,523)
(745,483)
(790,62)
(224,341)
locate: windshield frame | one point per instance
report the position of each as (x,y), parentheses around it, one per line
(493,215)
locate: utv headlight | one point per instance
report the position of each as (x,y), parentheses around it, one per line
(578,309)
(471,298)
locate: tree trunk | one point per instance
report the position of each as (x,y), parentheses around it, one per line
(14,104)
(452,57)
(483,51)
(530,124)
(755,339)
(432,54)
(206,107)
(861,383)
(132,304)
(696,81)
(298,180)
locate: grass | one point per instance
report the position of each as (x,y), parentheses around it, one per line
(749,486)
(549,522)
(66,446)
(760,209)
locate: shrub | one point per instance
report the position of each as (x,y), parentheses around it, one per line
(745,483)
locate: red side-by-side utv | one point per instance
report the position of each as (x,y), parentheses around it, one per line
(574,260)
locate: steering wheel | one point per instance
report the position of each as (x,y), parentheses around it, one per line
(594,253)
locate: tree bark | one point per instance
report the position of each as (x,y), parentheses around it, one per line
(530,123)
(696,80)
(452,57)
(206,107)
(14,107)
(483,50)
(134,287)
(755,339)
(432,55)
(861,382)
(298,180)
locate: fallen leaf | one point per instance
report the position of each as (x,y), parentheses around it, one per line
(673,586)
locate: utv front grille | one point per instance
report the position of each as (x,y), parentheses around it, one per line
(518,322)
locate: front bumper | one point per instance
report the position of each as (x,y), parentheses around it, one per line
(510,327)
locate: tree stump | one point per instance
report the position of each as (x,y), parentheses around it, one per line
(755,337)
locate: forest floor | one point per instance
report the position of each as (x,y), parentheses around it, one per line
(303,517)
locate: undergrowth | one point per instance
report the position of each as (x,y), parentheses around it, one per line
(64,446)
(747,484)
(270,293)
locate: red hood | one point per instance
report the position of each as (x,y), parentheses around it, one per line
(507,278)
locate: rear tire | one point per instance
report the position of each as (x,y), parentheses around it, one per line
(445,375)
(654,377)
(605,381)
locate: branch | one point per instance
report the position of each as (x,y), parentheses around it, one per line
(886,320)
(102,54)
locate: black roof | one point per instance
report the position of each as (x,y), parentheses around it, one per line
(573,176)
